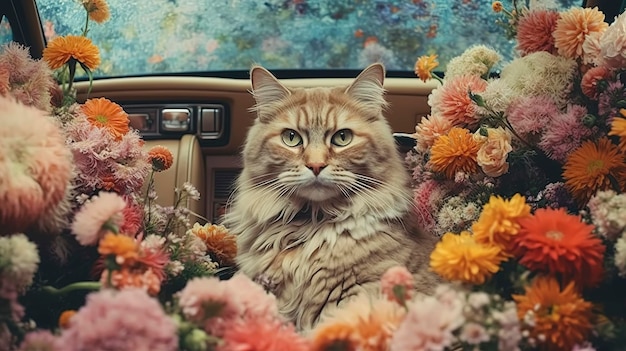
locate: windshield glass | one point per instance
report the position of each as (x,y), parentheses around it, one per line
(180,36)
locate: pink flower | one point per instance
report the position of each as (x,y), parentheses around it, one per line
(452,101)
(474,334)
(262,334)
(565,133)
(529,115)
(592,52)
(133,218)
(101,209)
(427,198)
(397,278)
(494,151)
(613,43)
(35,165)
(251,296)
(120,320)
(589,82)
(572,28)
(40,340)
(429,129)
(534,31)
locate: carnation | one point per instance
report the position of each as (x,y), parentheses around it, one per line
(102,212)
(97,325)
(613,43)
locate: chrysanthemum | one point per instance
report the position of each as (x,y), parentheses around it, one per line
(589,82)
(565,132)
(534,31)
(219,242)
(125,278)
(498,222)
(572,28)
(477,60)
(425,65)
(454,152)
(98,323)
(161,158)
(262,334)
(528,116)
(618,128)
(35,165)
(40,340)
(556,242)
(561,317)
(106,114)
(124,248)
(62,49)
(105,208)
(496,6)
(397,280)
(98,10)
(452,100)
(592,167)
(461,258)
(429,129)
(334,336)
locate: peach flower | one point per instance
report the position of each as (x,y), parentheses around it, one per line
(573,28)
(452,100)
(613,43)
(493,152)
(429,129)
(589,82)
(534,31)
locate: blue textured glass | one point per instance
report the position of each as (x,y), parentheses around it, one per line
(164,36)
(6,33)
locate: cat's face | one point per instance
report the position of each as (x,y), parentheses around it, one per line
(320,143)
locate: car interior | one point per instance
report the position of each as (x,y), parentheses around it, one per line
(203,118)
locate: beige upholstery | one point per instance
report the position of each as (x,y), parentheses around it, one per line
(188,167)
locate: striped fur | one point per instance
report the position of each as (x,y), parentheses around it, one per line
(317,241)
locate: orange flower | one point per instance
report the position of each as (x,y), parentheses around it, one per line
(219,242)
(454,152)
(425,65)
(64,318)
(335,336)
(61,49)
(561,316)
(161,158)
(561,244)
(618,128)
(104,113)
(98,10)
(573,27)
(497,7)
(132,278)
(461,258)
(498,221)
(123,247)
(594,167)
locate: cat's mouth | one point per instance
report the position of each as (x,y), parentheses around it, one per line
(318,190)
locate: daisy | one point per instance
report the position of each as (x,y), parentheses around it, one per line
(592,167)
(63,49)
(425,65)
(553,241)
(106,114)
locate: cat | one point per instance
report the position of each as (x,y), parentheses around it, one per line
(323,205)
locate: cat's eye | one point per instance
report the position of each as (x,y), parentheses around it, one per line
(291,138)
(342,137)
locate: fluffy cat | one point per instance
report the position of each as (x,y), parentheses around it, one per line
(323,205)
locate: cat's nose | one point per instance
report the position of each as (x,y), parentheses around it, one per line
(316,167)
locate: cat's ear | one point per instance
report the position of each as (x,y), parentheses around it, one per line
(266,89)
(368,89)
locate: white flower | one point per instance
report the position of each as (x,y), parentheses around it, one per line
(19,260)
(476,60)
(620,256)
(474,334)
(613,43)
(478,299)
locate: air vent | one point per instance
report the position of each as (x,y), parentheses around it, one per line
(224,183)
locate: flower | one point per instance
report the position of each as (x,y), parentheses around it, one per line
(561,316)
(35,165)
(476,61)
(97,325)
(161,158)
(124,278)
(218,241)
(591,78)
(612,43)
(498,221)
(461,258)
(620,256)
(496,6)
(19,260)
(591,167)
(106,114)
(65,317)
(429,129)
(452,101)
(98,10)
(474,334)
(124,248)
(61,50)
(527,115)
(572,28)
(618,128)
(605,208)
(397,284)
(565,132)
(534,31)
(40,340)
(493,152)
(454,152)
(553,241)
(102,212)
(425,65)
(334,336)
(260,334)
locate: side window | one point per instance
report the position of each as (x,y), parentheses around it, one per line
(6,34)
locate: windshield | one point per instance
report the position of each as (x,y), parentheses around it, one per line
(193,36)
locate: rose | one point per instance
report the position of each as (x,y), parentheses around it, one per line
(493,152)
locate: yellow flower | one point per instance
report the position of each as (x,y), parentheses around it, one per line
(98,10)
(61,49)
(454,152)
(618,128)
(104,113)
(592,167)
(562,317)
(425,65)
(498,221)
(461,258)
(496,6)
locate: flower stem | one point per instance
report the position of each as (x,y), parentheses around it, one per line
(86,29)
(72,287)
